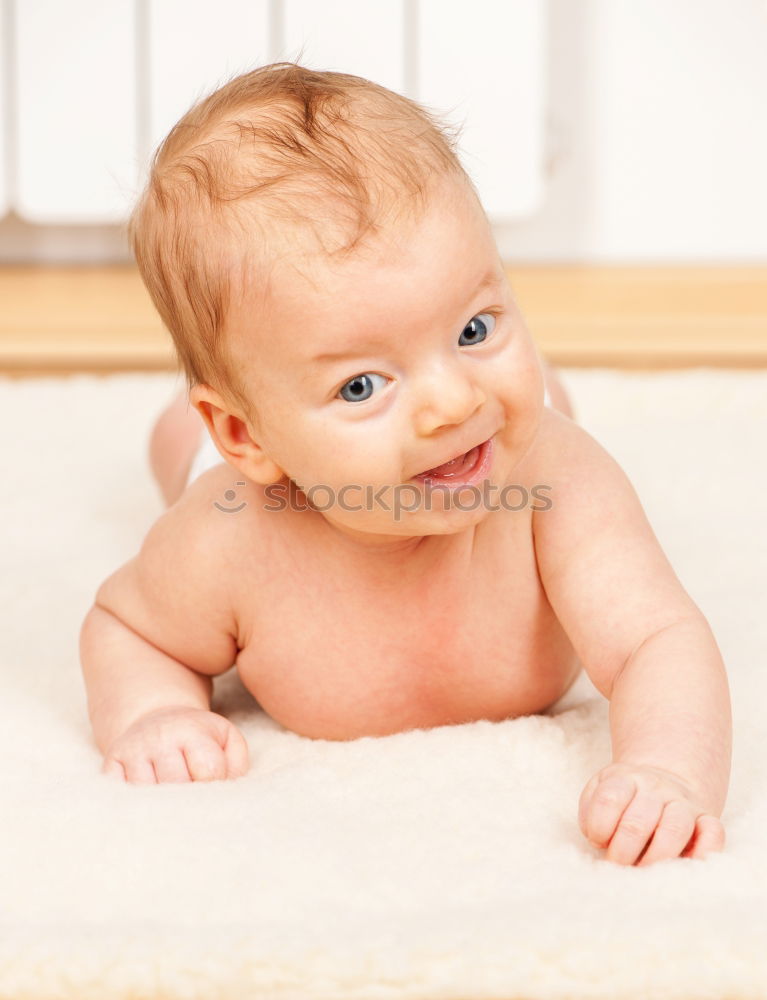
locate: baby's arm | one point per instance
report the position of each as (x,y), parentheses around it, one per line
(647,648)
(159,629)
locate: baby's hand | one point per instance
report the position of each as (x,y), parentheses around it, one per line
(178,744)
(625,805)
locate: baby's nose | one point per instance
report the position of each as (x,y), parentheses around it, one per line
(448,397)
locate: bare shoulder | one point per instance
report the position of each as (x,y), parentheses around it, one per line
(563,446)
(177,591)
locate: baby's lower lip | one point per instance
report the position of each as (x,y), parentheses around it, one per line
(480,459)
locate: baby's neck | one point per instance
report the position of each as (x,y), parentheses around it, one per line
(396,551)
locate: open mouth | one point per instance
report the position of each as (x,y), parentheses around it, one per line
(463,470)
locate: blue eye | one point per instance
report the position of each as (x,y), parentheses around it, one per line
(477,330)
(359,388)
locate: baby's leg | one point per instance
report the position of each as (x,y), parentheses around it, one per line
(174,440)
(559,398)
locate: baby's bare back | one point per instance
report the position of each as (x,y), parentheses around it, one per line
(336,643)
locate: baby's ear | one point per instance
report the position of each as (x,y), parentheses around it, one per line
(212,407)
(232,436)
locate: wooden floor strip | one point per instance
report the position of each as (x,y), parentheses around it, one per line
(58,320)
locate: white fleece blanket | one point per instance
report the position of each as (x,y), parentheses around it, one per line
(445,863)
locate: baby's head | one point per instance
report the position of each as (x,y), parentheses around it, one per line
(294,214)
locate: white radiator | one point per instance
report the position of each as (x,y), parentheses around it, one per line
(88,88)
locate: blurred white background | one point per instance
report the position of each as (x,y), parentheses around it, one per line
(598,131)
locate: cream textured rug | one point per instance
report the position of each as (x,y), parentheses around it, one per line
(444,863)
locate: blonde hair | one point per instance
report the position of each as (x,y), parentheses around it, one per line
(273,156)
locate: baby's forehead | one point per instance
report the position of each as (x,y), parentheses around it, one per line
(300,293)
(301,281)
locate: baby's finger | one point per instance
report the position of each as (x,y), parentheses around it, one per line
(608,802)
(170,765)
(205,760)
(113,768)
(672,834)
(584,803)
(237,753)
(635,828)
(139,771)
(708,836)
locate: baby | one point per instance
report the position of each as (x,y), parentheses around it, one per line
(395,531)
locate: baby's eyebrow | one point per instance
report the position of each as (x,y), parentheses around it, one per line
(357,352)
(490,280)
